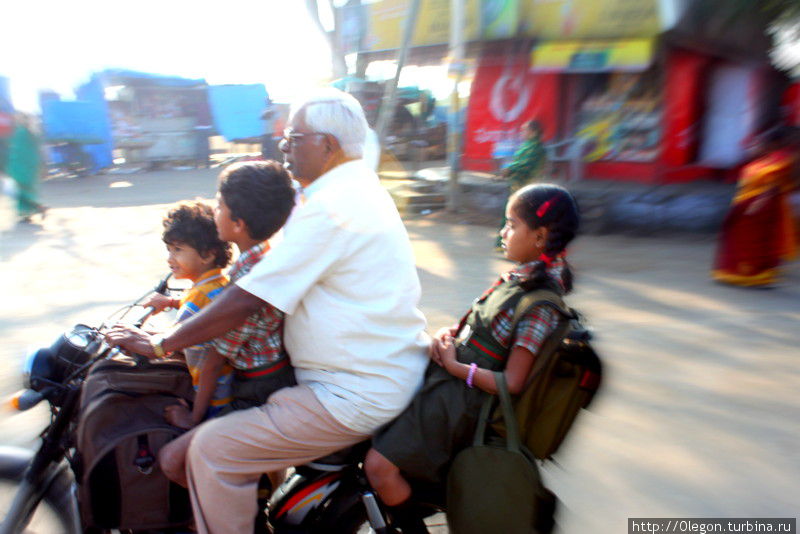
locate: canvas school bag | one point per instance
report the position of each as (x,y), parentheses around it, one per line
(564,379)
(120,431)
(494,485)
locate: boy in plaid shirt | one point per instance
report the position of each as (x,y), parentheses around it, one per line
(254,200)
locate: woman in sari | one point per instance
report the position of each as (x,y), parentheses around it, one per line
(758,231)
(24,165)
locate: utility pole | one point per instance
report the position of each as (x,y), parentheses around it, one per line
(390,92)
(456,71)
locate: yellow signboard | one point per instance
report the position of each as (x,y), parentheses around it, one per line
(593,56)
(379,24)
(590,19)
(385,21)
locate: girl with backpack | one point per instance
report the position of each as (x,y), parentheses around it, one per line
(541,220)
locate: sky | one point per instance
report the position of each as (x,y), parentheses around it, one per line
(56,44)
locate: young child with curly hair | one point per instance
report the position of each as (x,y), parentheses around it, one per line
(196,253)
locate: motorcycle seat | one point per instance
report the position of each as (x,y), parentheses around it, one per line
(341,458)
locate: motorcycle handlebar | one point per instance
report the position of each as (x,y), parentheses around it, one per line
(162,289)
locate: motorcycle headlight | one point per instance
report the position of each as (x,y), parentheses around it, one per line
(54,364)
(38,368)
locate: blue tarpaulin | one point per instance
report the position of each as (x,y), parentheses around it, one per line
(73,121)
(5,96)
(237,110)
(93,92)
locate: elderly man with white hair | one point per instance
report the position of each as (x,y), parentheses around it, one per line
(344,274)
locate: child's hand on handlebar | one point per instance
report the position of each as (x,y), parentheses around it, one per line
(159,303)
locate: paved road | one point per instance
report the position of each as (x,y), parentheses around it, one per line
(700,412)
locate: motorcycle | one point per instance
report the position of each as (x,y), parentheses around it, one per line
(331,494)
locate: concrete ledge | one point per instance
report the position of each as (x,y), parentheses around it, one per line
(606,206)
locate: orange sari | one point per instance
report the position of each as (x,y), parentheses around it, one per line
(758,231)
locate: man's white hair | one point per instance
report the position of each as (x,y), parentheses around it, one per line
(334,112)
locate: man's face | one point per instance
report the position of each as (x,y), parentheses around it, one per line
(305,152)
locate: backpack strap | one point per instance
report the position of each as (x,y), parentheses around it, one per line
(527,303)
(512,431)
(535,298)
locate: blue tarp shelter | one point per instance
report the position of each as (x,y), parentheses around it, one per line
(5,96)
(237,110)
(73,121)
(94,92)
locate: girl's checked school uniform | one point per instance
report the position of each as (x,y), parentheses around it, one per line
(255,349)
(207,288)
(441,419)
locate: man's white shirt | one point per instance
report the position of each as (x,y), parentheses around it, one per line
(344,274)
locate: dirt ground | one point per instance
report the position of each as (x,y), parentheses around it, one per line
(698,413)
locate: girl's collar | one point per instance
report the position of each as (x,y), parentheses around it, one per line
(524,271)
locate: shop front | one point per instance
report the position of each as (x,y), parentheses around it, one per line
(611,103)
(654,91)
(633,110)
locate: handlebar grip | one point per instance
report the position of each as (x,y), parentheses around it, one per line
(162,286)
(148,311)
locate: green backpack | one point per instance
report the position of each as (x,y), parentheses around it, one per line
(494,485)
(565,377)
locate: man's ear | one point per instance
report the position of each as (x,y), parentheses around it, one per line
(332,144)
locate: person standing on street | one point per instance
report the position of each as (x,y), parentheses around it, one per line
(24,167)
(529,158)
(758,232)
(344,274)
(528,161)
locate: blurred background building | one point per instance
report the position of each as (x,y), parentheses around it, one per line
(651,91)
(655,91)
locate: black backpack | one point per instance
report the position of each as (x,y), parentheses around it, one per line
(121,428)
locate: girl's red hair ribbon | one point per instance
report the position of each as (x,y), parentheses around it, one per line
(547,260)
(544,207)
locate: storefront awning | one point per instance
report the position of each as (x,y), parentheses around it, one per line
(631,55)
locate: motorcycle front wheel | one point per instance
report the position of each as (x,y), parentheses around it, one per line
(46,517)
(49,515)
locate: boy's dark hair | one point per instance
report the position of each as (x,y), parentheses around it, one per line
(260,193)
(553,207)
(192,223)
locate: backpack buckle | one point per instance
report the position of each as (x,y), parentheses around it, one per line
(144,460)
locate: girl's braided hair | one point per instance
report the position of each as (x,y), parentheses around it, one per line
(553,207)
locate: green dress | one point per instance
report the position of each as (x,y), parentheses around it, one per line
(24,162)
(528,161)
